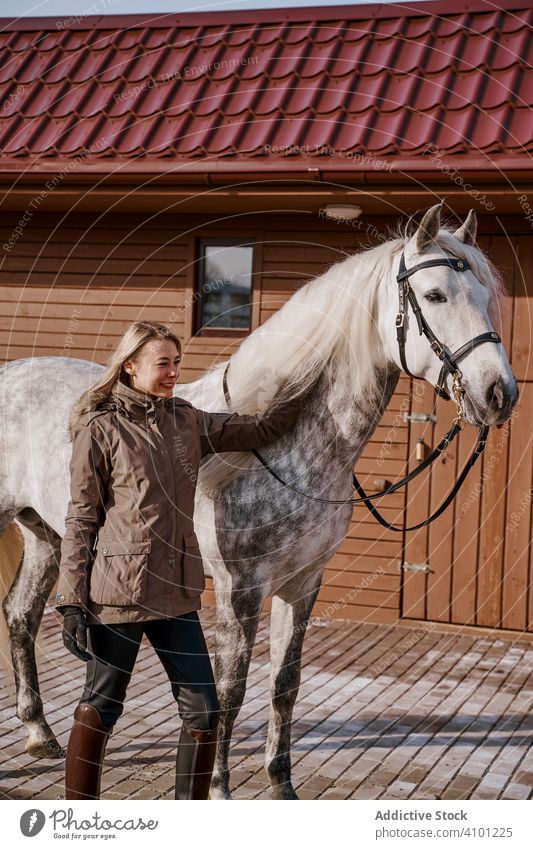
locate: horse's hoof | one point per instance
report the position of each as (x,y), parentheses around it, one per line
(283,791)
(45,749)
(219,791)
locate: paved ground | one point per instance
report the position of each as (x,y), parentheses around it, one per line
(382,712)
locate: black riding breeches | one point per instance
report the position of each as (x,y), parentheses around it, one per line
(181,648)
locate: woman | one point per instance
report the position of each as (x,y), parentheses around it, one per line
(130,561)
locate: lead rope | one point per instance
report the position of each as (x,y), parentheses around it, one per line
(457,426)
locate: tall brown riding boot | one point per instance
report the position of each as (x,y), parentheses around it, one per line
(195,759)
(85,753)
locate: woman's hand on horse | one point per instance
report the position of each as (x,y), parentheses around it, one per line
(75,631)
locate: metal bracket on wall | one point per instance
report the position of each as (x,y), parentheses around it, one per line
(415,567)
(419,417)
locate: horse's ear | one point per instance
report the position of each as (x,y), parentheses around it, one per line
(429,227)
(467,231)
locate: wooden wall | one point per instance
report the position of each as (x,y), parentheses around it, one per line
(69,288)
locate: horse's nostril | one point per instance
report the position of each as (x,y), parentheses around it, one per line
(494,396)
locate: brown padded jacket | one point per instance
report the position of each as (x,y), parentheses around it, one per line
(130,552)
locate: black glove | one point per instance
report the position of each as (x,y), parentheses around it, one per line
(75,631)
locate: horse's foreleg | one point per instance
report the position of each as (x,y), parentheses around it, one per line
(287,630)
(23,609)
(237,620)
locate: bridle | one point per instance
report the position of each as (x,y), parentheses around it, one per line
(449,366)
(449,361)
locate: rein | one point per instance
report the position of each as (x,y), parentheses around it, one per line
(449,366)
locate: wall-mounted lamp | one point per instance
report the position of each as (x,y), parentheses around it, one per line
(348,212)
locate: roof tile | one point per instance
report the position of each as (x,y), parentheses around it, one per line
(14,135)
(240,100)
(401,89)
(317,59)
(464,88)
(357,31)
(269,34)
(107,67)
(512,84)
(159,37)
(143,66)
(388,134)
(239,36)
(175,61)
(414,57)
(213,36)
(226,133)
(260,63)
(381,79)
(231,64)
(133,135)
(326,31)
(461,51)
(489,127)
(301,96)
(517,20)
(352,130)
(518,136)
(271,97)
(103,40)
(512,48)
(334,93)
(450,128)
(299,32)
(348,58)
(366,94)
(291,58)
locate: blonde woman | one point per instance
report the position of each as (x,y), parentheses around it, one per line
(130,561)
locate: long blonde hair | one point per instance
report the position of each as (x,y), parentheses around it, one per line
(129,347)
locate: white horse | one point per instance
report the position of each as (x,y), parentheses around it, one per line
(336,337)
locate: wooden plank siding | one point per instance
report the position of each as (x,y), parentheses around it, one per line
(479,552)
(70,286)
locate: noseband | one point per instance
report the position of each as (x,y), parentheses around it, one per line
(449,360)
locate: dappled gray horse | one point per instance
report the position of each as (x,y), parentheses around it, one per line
(336,339)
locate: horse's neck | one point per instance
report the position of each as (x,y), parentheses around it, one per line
(348,421)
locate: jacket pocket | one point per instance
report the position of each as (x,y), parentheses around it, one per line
(193,567)
(120,572)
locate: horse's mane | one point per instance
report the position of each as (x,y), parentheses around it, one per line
(330,322)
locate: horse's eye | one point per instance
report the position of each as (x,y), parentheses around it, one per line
(435,297)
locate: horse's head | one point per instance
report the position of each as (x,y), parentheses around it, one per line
(457,305)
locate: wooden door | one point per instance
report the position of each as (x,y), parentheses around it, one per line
(472,566)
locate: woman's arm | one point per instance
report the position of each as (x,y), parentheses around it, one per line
(234,432)
(89,474)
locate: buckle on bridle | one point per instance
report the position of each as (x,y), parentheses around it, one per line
(437,348)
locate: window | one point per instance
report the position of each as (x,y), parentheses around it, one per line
(224,287)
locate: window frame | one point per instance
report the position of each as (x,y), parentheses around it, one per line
(200,243)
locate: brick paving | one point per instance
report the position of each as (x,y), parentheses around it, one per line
(383,712)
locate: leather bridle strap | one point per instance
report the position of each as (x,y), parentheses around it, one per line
(478,449)
(367,499)
(406,296)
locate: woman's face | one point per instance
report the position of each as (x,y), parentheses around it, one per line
(156,368)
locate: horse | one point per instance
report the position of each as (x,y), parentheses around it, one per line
(334,339)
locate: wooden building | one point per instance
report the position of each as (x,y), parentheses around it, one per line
(141,159)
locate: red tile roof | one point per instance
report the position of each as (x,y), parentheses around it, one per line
(381,80)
